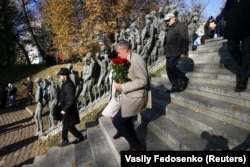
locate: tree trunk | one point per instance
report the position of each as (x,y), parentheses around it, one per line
(24,52)
(41,51)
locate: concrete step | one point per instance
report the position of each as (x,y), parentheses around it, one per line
(224,111)
(52,157)
(219,135)
(211,79)
(109,131)
(217,68)
(38,161)
(66,156)
(214,40)
(207,53)
(83,154)
(212,48)
(174,135)
(211,58)
(150,141)
(223,93)
(218,43)
(188,65)
(101,152)
(220,92)
(202,124)
(216,47)
(71,155)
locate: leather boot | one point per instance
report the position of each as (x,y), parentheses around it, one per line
(117,135)
(64,143)
(183,84)
(241,85)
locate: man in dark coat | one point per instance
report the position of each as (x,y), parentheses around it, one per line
(176,47)
(69,112)
(29,90)
(237,31)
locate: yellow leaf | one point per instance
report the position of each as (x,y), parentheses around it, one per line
(237,108)
(197,110)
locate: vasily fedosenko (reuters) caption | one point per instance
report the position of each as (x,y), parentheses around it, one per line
(189,158)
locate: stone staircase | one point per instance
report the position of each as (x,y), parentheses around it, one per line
(208,115)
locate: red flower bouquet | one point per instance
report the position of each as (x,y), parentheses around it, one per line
(120,72)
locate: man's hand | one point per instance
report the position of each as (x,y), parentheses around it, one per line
(118,86)
(182,55)
(63,112)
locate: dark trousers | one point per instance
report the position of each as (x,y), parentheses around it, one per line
(241,57)
(30,99)
(72,130)
(125,127)
(174,74)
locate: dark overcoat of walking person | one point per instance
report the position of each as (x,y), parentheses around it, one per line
(29,90)
(68,106)
(176,47)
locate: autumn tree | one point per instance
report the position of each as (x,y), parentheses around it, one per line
(8,14)
(60,19)
(79,26)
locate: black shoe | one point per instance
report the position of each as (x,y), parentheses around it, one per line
(141,148)
(241,85)
(184,84)
(117,136)
(78,140)
(174,89)
(238,78)
(64,143)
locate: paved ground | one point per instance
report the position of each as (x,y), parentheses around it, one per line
(18,145)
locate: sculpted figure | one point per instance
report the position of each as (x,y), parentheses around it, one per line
(103,72)
(117,36)
(135,37)
(123,35)
(53,97)
(155,52)
(74,76)
(166,10)
(88,79)
(146,29)
(109,68)
(148,44)
(154,19)
(162,31)
(173,9)
(39,107)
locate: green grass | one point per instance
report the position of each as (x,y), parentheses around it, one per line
(158,72)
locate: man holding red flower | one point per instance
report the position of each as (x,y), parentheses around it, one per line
(134,92)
